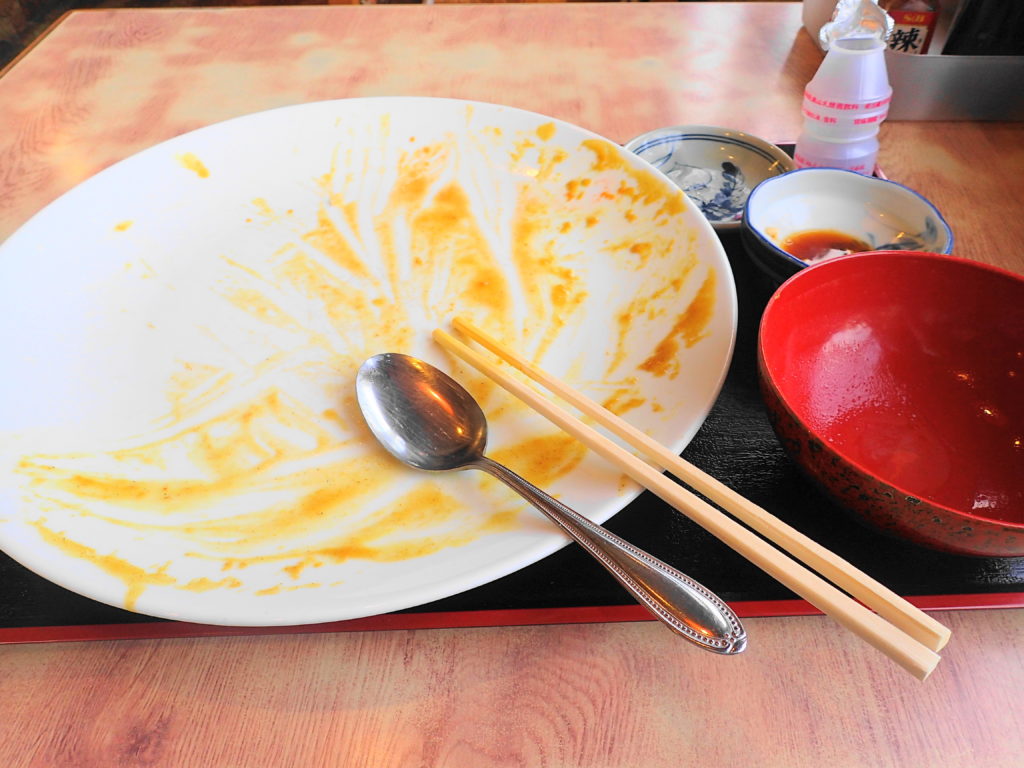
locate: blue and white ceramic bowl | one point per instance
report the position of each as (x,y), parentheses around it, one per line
(715,167)
(881,214)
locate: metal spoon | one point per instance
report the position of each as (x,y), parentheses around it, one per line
(427,420)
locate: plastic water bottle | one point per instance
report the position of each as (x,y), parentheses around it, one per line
(844,106)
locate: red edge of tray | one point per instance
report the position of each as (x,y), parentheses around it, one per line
(463,619)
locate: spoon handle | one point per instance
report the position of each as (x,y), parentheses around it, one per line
(685,606)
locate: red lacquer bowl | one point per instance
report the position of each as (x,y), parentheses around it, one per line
(895,379)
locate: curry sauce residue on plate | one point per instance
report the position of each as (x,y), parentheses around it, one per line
(261,461)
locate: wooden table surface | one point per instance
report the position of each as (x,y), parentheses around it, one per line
(105,84)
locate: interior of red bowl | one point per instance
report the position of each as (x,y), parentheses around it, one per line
(911,366)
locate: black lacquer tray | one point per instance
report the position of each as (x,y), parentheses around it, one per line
(736,444)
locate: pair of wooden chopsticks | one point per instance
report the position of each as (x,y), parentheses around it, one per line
(899,629)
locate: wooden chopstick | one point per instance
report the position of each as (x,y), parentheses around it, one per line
(887,603)
(892,641)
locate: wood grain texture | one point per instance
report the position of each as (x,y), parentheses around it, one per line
(108,83)
(973,173)
(804,694)
(105,84)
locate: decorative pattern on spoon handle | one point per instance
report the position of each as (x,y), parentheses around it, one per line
(686,606)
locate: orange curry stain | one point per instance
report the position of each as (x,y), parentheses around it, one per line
(552,290)
(230,452)
(656,248)
(310,585)
(192,163)
(623,400)
(260,306)
(446,233)
(542,460)
(410,527)
(342,486)
(351,213)
(207,585)
(647,305)
(400,531)
(529,226)
(418,171)
(195,385)
(344,305)
(548,160)
(520,150)
(135,579)
(647,187)
(327,239)
(575,189)
(690,327)
(643,250)
(332,415)
(263,207)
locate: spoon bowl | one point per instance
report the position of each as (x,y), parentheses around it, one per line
(427,420)
(419,414)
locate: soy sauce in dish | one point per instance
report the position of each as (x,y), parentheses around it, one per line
(817,244)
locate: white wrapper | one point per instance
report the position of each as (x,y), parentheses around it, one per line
(856,18)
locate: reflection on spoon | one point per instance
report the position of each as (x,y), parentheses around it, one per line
(427,420)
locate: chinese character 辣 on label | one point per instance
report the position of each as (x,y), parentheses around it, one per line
(912,31)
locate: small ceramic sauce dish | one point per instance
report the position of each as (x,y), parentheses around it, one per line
(813,214)
(715,167)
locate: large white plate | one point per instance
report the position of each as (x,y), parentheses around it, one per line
(181,333)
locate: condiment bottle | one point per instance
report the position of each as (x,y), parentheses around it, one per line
(844,106)
(913,24)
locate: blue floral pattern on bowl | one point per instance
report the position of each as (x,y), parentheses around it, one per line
(720,194)
(918,242)
(716,168)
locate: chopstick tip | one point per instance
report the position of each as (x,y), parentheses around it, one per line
(923,673)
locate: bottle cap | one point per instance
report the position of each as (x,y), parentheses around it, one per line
(853,73)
